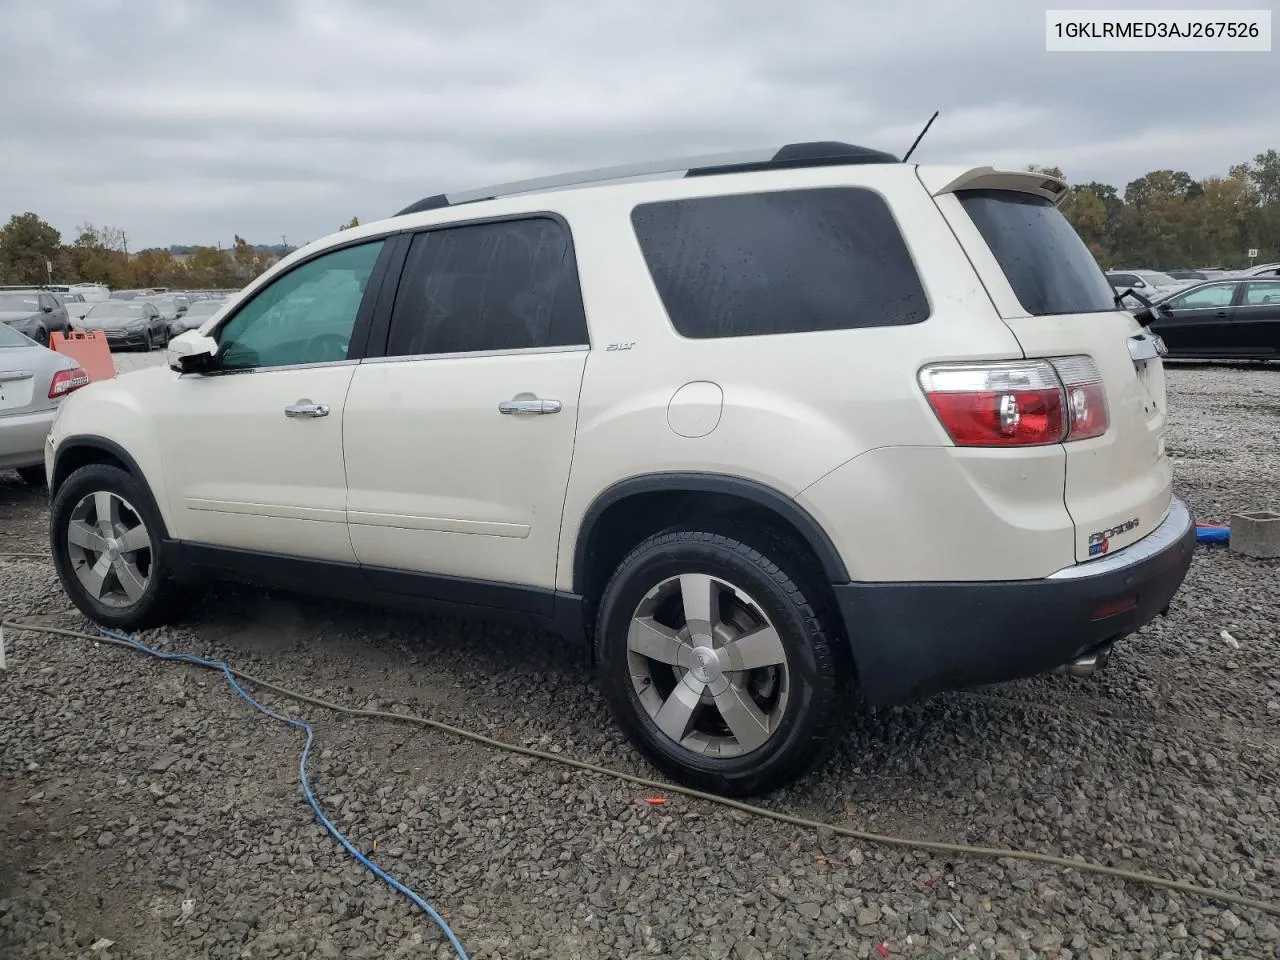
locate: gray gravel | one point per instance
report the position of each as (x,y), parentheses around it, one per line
(128,787)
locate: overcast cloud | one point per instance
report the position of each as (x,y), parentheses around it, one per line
(185,121)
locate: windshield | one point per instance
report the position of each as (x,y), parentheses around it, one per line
(204,308)
(1046,263)
(10,337)
(19,303)
(109,309)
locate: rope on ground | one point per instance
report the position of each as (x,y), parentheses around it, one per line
(934,846)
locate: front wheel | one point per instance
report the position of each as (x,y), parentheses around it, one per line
(106,536)
(716,663)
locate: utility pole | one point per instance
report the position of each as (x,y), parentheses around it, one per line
(284,241)
(124,238)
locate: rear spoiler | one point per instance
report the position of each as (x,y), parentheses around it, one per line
(940,180)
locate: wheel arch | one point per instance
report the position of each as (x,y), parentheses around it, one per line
(608,508)
(80,450)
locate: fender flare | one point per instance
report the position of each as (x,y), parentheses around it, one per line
(757,493)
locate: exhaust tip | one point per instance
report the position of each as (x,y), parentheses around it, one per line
(1087,665)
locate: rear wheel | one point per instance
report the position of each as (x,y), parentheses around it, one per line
(106,536)
(716,663)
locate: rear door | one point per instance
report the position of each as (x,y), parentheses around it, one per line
(1198,323)
(459,439)
(1256,324)
(1051,293)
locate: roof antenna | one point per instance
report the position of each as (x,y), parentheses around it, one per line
(921,137)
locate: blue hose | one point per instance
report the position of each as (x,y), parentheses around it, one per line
(377,871)
(1206,533)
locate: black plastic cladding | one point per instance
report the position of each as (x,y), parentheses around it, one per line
(819,153)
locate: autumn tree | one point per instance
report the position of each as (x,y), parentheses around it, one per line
(353,222)
(28,246)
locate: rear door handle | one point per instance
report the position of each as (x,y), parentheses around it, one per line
(305,408)
(1221,313)
(529,406)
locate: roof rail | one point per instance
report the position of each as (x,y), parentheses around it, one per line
(790,156)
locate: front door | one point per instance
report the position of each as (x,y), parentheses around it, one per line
(1197,323)
(254,445)
(459,441)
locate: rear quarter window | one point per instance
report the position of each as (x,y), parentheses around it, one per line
(1046,263)
(793,261)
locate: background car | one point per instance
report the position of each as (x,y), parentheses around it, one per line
(1261,270)
(171,309)
(196,314)
(1150,283)
(1203,273)
(77,306)
(127,323)
(33,379)
(1233,319)
(35,314)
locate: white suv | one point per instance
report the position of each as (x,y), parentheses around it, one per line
(768,429)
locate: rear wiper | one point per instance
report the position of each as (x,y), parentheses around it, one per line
(1149,311)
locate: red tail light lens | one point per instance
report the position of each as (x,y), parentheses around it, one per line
(65,381)
(1007,404)
(1086,400)
(1018,403)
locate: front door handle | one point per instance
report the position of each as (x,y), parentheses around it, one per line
(529,406)
(1221,313)
(305,408)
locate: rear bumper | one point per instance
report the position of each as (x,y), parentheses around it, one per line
(913,639)
(22,438)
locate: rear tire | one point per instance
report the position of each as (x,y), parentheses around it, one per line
(106,537)
(32,476)
(741,707)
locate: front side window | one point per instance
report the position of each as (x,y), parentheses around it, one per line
(1265,293)
(508,285)
(1046,263)
(794,261)
(305,316)
(1218,295)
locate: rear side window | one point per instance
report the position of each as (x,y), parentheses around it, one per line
(794,261)
(1046,263)
(510,285)
(1263,294)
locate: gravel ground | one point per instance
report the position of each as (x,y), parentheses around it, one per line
(128,787)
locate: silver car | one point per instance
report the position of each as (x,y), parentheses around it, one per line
(33,379)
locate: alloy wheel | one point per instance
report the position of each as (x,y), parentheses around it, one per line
(708,666)
(110,549)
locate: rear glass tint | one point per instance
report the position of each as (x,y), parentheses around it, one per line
(1046,263)
(793,261)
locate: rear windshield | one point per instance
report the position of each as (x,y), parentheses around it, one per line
(1047,264)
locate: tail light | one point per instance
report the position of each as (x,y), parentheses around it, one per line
(1017,403)
(65,381)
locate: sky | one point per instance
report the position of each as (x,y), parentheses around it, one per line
(188,121)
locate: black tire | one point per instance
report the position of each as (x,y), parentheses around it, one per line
(163,597)
(819,673)
(32,476)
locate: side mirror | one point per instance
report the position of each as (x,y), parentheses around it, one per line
(46,309)
(189,352)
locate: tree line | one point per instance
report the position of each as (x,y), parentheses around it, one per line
(1165,219)
(32,252)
